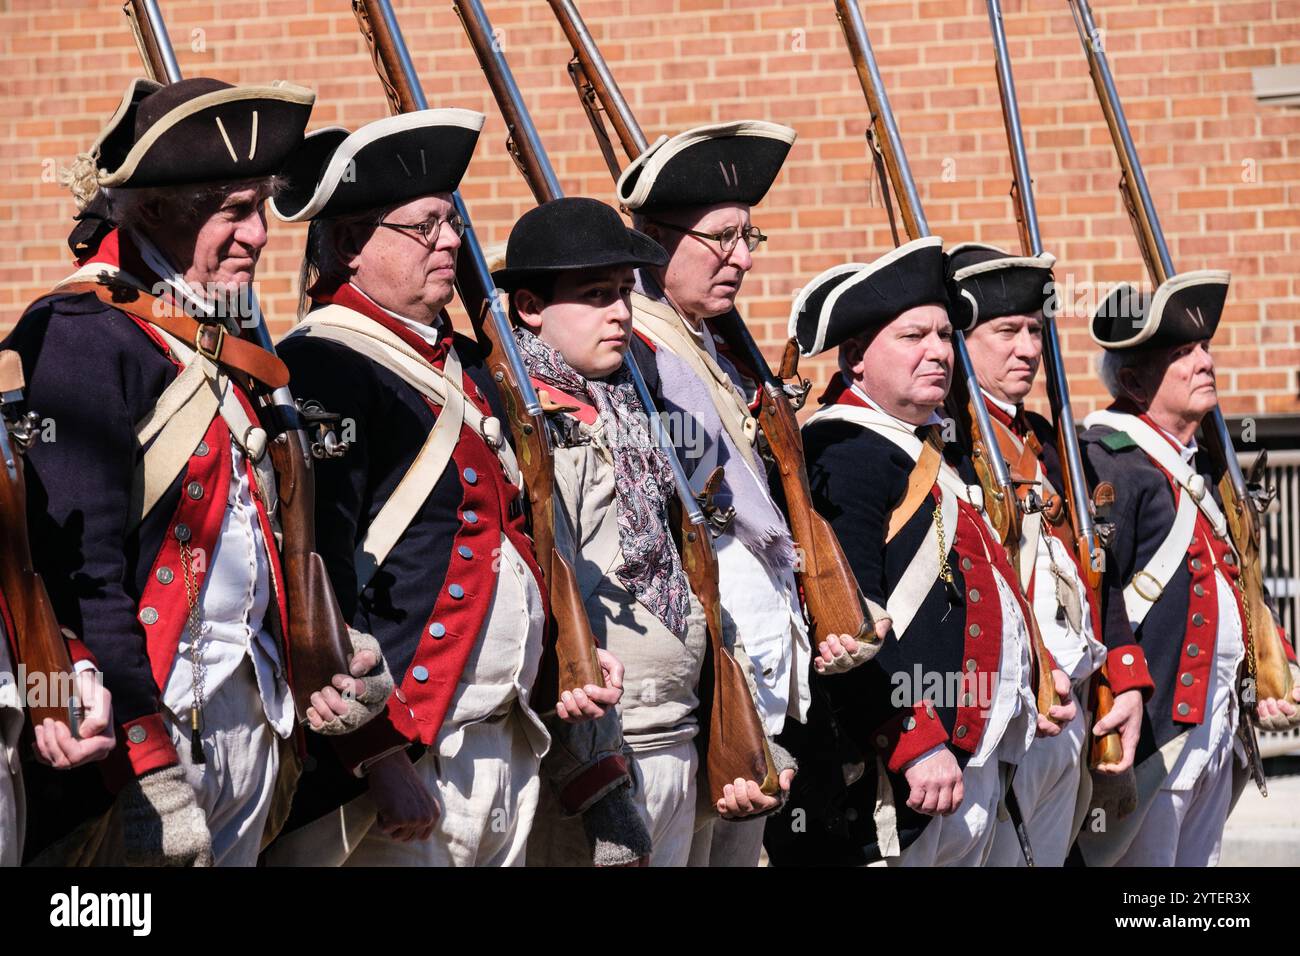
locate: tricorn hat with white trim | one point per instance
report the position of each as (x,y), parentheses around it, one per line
(848,300)
(985,282)
(726,162)
(199,130)
(389,161)
(1185,308)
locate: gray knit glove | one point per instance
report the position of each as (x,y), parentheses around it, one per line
(370,702)
(615,830)
(162,824)
(782,760)
(1114,794)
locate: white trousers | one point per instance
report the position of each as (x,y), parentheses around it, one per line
(666,794)
(235,783)
(964,837)
(1046,786)
(487,794)
(1180,827)
(729,843)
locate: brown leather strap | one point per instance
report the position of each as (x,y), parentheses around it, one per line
(919,482)
(209,339)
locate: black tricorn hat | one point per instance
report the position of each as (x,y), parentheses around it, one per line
(572,233)
(199,130)
(985,282)
(848,300)
(1185,308)
(727,162)
(389,161)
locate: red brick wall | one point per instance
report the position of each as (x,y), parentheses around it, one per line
(1225,171)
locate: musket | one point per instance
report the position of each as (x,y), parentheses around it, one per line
(1000,500)
(1266,662)
(830,591)
(736,745)
(37,638)
(318,641)
(575,663)
(1091,556)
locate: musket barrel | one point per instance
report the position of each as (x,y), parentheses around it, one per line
(166,52)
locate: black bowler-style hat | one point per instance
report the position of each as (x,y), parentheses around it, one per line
(199,131)
(384,163)
(726,162)
(1185,308)
(848,300)
(985,282)
(572,233)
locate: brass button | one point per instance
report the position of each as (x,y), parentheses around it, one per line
(1193,650)
(974,630)
(164,575)
(1187,679)
(194,490)
(1184,709)
(961,731)
(437,630)
(967,564)
(137,734)
(148,616)
(1198,618)
(201,449)
(182,532)
(974,595)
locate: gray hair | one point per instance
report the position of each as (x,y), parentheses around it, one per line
(321,261)
(1113,362)
(145,210)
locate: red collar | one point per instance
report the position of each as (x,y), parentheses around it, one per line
(350,297)
(838,392)
(1018,424)
(117,249)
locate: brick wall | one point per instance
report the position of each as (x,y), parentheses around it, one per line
(1224,170)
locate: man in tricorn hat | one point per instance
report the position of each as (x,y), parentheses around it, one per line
(902,758)
(421,523)
(1001,298)
(1179,624)
(151,503)
(693,193)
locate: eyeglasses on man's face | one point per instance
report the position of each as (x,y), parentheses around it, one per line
(726,239)
(429,230)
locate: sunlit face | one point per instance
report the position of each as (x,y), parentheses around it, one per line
(1185,391)
(221,254)
(699,279)
(588,319)
(399,270)
(1006,353)
(907,365)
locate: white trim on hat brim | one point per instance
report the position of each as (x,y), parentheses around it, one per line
(665,148)
(865,271)
(279,90)
(1042,261)
(1155,312)
(371,133)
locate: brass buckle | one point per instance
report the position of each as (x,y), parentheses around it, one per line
(1149,598)
(205,329)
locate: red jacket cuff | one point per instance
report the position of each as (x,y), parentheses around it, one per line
(373,739)
(593,783)
(78,651)
(908,734)
(1126,669)
(1287,647)
(143,746)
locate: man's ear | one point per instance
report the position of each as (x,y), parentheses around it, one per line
(528,306)
(852,352)
(1134,385)
(349,241)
